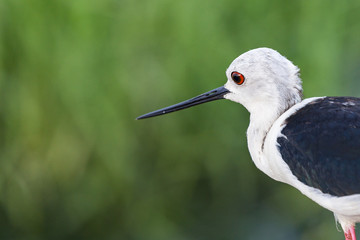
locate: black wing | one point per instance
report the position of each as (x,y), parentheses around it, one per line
(322,145)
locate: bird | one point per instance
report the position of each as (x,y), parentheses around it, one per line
(311,144)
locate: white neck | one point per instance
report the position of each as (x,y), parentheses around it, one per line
(262,118)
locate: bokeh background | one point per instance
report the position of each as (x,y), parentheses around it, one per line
(74,75)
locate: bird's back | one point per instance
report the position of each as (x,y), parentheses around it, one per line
(321,145)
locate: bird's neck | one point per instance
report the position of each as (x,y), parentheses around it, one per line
(262,117)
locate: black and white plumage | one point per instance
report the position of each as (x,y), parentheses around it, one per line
(315,147)
(321,145)
(312,144)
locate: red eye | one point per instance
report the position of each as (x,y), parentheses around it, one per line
(238,78)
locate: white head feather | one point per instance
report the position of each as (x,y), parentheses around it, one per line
(271,81)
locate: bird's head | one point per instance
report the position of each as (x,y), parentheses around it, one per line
(263,77)
(258,79)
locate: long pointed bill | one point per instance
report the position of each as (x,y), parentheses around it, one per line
(212,95)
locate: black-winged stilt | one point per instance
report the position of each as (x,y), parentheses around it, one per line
(311,144)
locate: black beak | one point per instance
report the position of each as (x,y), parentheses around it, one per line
(212,95)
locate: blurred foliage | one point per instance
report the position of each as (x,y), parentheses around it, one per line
(74,164)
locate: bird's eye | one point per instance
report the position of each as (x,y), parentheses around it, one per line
(238,78)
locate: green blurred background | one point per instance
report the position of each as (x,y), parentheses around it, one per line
(74,164)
